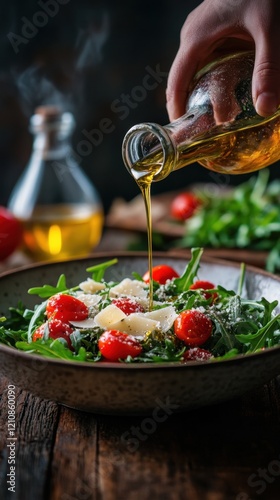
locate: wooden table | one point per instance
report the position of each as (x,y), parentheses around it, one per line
(230,451)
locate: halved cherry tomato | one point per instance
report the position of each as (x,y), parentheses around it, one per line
(184,205)
(204,285)
(66,308)
(193,327)
(57,329)
(39,332)
(196,354)
(10,233)
(115,345)
(128,306)
(161,274)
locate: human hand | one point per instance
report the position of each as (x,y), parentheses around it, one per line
(217,27)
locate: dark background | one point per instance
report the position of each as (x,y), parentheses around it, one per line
(87,56)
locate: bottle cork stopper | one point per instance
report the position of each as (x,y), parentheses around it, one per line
(48,111)
(52,116)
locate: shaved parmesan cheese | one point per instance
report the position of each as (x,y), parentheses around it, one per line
(130,287)
(165,316)
(91,286)
(89,299)
(85,323)
(108,316)
(136,324)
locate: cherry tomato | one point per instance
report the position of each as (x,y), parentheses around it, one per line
(196,354)
(10,233)
(161,274)
(66,308)
(39,333)
(127,305)
(57,329)
(115,345)
(184,205)
(204,285)
(193,327)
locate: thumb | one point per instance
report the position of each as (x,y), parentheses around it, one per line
(266,81)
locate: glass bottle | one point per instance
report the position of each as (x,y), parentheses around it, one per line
(220,129)
(59,208)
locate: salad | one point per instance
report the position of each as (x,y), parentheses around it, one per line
(191,319)
(247,216)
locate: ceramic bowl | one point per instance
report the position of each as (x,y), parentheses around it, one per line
(135,389)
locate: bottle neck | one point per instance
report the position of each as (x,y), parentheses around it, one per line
(50,145)
(148,151)
(52,131)
(152,151)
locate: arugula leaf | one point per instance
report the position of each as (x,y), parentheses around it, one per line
(160,352)
(230,354)
(241,279)
(262,337)
(137,276)
(18,318)
(46,291)
(98,271)
(10,337)
(52,349)
(225,335)
(39,311)
(190,272)
(187,300)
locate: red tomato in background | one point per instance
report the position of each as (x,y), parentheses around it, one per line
(161,274)
(57,329)
(115,345)
(66,308)
(184,205)
(193,327)
(10,233)
(128,306)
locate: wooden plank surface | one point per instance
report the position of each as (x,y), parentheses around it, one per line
(35,428)
(230,451)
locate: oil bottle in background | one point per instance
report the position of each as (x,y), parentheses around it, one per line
(59,208)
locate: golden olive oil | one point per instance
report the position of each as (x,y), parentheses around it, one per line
(144,183)
(59,232)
